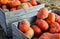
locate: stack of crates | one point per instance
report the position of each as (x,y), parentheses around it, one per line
(6,19)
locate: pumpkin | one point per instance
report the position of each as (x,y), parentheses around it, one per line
(23,1)
(29,4)
(14,3)
(9,2)
(42,13)
(55,36)
(24,26)
(57,18)
(36,29)
(33,2)
(35,38)
(54,27)
(24,5)
(51,18)
(45,36)
(30,33)
(4,1)
(12,9)
(42,24)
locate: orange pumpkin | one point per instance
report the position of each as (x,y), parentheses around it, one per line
(42,13)
(45,36)
(23,1)
(57,18)
(30,33)
(42,24)
(55,36)
(4,1)
(24,26)
(54,27)
(33,2)
(36,29)
(12,9)
(29,4)
(14,3)
(9,2)
(51,18)
(24,5)
(35,38)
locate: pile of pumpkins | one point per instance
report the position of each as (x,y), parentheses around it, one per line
(12,5)
(45,26)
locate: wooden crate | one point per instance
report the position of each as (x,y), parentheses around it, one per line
(17,34)
(8,18)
